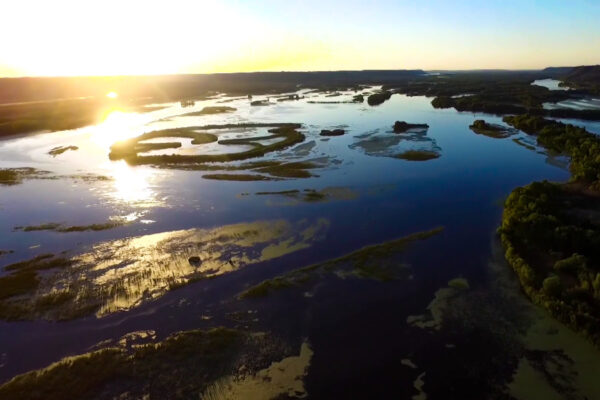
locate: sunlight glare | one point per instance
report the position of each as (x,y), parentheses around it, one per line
(117,125)
(132,185)
(112,95)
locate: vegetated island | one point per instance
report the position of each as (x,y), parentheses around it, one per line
(496,131)
(332,132)
(129,149)
(551,232)
(402,126)
(378,98)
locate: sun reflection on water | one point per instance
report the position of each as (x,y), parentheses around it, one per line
(133,185)
(118,125)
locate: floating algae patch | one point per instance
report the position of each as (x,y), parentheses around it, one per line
(377,262)
(121,274)
(282,379)
(280,136)
(411,145)
(183,366)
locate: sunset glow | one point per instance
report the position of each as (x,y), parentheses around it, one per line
(181,36)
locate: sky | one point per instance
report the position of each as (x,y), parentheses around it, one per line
(130,37)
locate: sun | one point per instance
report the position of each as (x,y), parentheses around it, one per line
(112,95)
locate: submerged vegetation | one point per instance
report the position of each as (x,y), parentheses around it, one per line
(418,155)
(379,262)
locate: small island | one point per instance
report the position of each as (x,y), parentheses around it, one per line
(378,98)
(402,126)
(333,132)
(481,127)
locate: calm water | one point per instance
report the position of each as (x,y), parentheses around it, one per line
(357,328)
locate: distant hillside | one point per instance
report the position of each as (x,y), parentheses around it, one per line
(585,78)
(176,87)
(557,72)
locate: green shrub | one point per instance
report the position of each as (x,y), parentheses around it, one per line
(552,286)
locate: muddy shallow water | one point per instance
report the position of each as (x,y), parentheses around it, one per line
(357,193)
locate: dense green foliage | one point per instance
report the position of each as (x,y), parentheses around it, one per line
(583,147)
(481,127)
(378,98)
(554,247)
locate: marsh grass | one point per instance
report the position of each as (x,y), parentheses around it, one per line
(200,358)
(287,132)
(23,279)
(56,227)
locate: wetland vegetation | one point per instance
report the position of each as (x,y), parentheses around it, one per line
(379,262)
